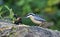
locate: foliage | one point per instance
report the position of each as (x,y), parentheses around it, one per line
(1,12)
(11,13)
(52,2)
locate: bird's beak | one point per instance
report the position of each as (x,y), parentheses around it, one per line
(27,17)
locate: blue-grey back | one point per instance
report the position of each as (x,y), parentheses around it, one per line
(38,18)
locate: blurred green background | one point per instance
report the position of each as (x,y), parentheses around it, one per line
(49,9)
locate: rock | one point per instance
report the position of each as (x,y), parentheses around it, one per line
(27,31)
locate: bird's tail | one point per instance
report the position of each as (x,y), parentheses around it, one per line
(48,24)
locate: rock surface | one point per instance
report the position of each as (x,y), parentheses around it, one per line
(11,30)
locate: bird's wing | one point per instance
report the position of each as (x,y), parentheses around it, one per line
(38,18)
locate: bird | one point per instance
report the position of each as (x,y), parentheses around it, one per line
(18,20)
(38,20)
(15,15)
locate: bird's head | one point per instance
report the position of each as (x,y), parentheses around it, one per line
(15,15)
(30,14)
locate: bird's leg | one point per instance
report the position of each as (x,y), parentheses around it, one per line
(40,24)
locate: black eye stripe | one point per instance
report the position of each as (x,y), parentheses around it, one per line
(31,14)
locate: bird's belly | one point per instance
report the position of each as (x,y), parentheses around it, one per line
(36,22)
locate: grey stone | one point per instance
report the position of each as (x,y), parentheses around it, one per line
(26,31)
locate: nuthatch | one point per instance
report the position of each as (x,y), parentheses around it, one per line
(37,19)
